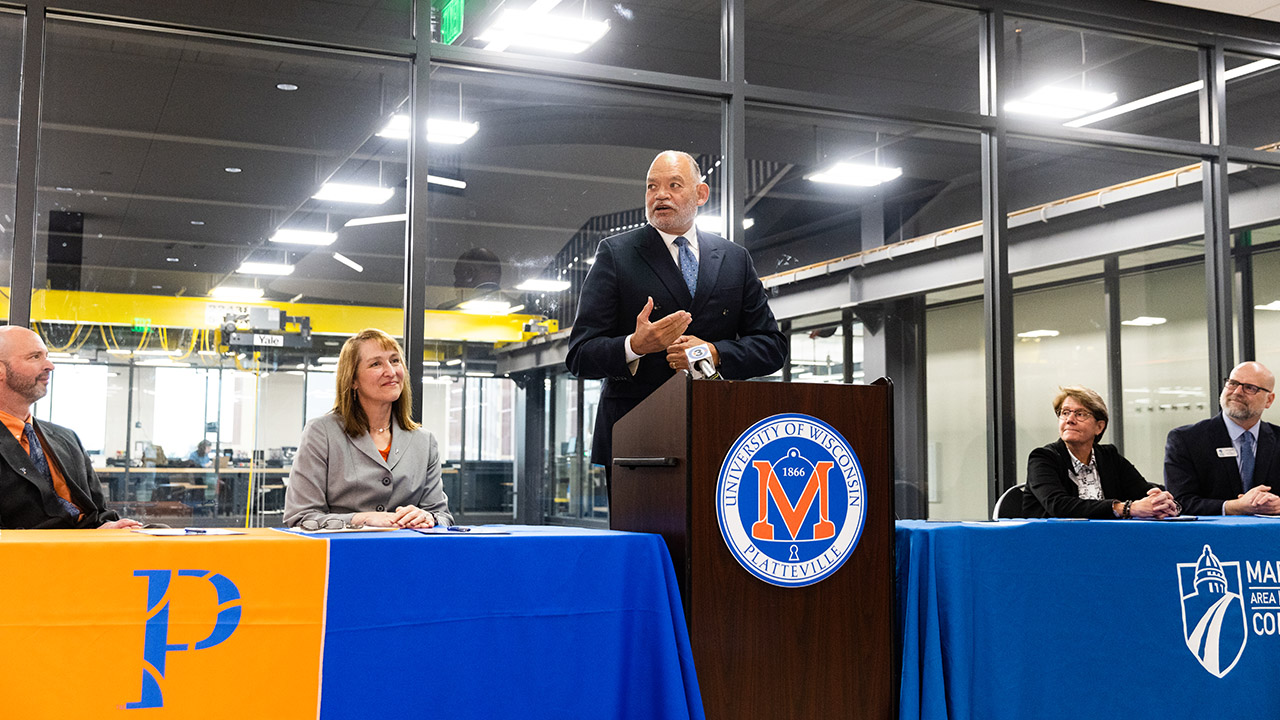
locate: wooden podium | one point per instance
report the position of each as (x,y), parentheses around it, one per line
(764,651)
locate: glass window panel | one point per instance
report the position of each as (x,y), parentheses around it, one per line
(886,51)
(1165,361)
(1266,311)
(1060,340)
(1253,100)
(553,168)
(817,353)
(10,90)
(674,36)
(1050,180)
(301,19)
(1085,78)
(796,219)
(156,188)
(956,402)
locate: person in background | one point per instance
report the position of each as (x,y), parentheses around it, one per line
(1077,477)
(366,462)
(1228,464)
(200,456)
(46,477)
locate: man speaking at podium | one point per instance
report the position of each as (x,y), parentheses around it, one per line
(657,291)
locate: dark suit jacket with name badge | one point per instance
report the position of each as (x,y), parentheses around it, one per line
(1200,480)
(28,500)
(730,310)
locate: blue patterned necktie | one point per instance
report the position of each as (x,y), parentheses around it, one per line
(1246,460)
(688,265)
(42,466)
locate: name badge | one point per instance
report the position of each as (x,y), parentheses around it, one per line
(1227,452)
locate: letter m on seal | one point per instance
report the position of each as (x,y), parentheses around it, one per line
(793,515)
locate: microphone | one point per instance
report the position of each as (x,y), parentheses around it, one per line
(699,357)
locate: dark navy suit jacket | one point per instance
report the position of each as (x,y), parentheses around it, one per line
(1200,480)
(730,310)
(28,500)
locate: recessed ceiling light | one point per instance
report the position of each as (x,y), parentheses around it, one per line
(264,268)
(197,222)
(542,31)
(348,262)
(714,224)
(356,222)
(232,170)
(65,189)
(1144,321)
(173,259)
(291,236)
(543,285)
(1038,334)
(1273,305)
(441,131)
(156,287)
(346,192)
(229,292)
(447,182)
(287,87)
(1061,103)
(844,173)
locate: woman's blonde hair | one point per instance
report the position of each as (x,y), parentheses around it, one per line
(347,404)
(1090,399)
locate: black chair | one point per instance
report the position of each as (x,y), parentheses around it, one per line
(1009,504)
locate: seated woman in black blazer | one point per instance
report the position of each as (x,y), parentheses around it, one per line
(1076,477)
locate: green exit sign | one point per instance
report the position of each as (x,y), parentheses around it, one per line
(451,21)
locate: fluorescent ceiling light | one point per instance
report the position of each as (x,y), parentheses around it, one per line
(303,237)
(70,360)
(715,224)
(332,359)
(1144,321)
(485,307)
(1038,333)
(543,285)
(119,351)
(346,192)
(224,292)
(843,173)
(1061,103)
(1189,88)
(265,268)
(376,220)
(453,362)
(441,131)
(479,373)
(447,182)
(348,262)
(1274,306)
(542,31)
(450,132)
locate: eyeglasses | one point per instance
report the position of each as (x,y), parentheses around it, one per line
(311,524)
(1248,388)
(1082,415)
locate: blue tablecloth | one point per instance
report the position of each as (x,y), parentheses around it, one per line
(543,623)
(1059,619)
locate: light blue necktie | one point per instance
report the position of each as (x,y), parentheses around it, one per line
(42,466)
(1246,460)
(688,265)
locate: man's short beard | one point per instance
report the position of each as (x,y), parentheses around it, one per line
(30,392)
(1241,413)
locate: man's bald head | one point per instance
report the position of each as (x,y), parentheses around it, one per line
(13,336)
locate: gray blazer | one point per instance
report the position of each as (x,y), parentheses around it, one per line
(336,476)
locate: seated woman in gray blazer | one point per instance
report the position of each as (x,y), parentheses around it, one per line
(366,462)
(1077,477)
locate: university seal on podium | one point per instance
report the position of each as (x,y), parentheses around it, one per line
(791,500)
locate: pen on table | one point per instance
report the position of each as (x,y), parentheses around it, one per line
(195,531)
(458,528)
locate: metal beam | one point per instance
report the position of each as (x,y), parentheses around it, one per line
(997,305)
(22,261)
(1217,228)
(416,238)
(1115,364)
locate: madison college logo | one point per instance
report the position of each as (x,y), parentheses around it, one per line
(791,500)
(1213,616)
(156,646)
